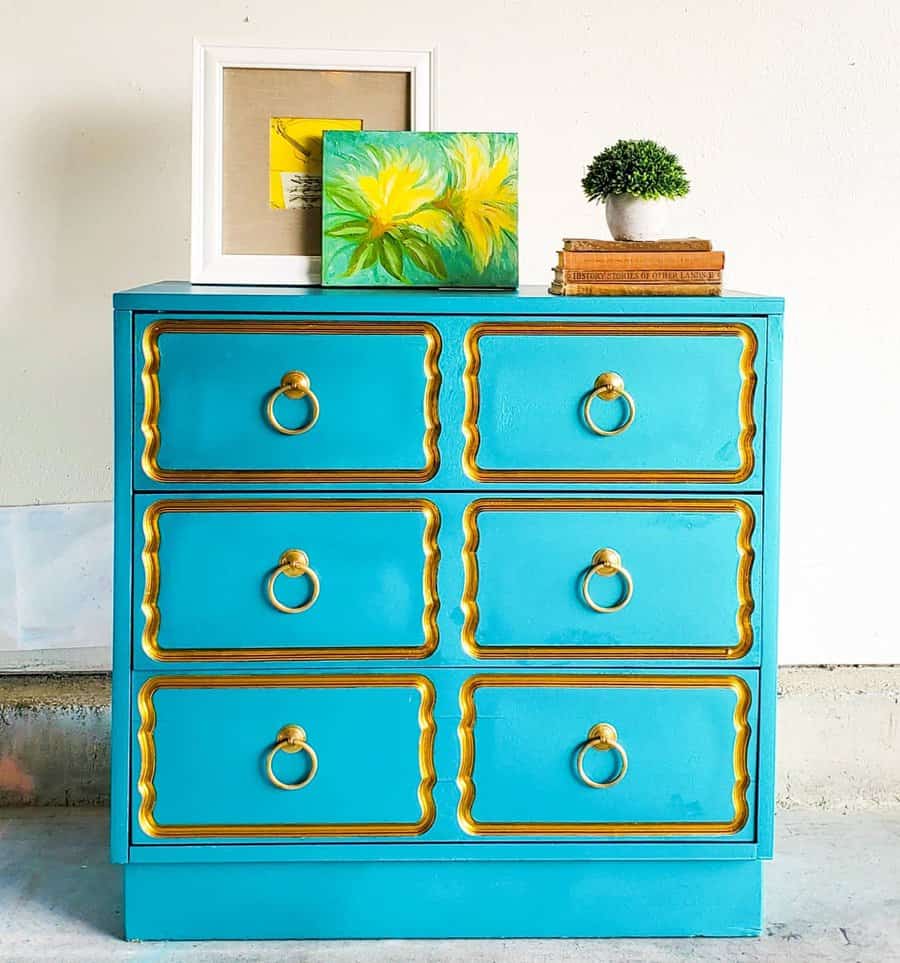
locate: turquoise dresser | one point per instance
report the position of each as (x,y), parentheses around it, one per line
(444,614)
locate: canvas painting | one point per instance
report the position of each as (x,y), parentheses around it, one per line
(420,209)
(295,159)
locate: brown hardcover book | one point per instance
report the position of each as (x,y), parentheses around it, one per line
(673,244)
(627,290)
(570,275)
(643,261)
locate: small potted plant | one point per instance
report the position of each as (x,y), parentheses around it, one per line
(636,180)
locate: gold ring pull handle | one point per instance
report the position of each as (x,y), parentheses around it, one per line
(293,563)
(605,563)
(291,739)
(604,738)
(295,384)
(608,387)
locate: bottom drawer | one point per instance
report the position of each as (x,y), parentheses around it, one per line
(600,755)
(587,755)
(219,756)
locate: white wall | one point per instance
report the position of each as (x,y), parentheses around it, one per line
(785,114)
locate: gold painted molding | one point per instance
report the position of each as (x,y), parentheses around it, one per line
(614,475)
(745,599)
(147,745)
(152,401)
(150,560)
(466,783)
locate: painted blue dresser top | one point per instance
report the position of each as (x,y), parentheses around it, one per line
(528,299)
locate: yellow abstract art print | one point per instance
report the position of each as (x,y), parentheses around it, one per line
(295,159)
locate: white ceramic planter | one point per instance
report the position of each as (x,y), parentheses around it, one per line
(633,218)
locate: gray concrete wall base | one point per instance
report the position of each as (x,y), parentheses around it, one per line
(838,730)
(839,738)
(54,740)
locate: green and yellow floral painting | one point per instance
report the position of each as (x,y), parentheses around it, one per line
(420,209)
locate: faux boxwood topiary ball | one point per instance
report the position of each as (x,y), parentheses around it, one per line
(641,168)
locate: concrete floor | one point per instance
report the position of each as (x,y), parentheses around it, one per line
(833,895)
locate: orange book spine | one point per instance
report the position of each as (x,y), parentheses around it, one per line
(627,290)
(673,244)
(643,261)
(568,275)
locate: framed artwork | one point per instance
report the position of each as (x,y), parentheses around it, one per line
(420,209)
(259,116)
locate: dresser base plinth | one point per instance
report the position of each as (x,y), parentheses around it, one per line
(442,899)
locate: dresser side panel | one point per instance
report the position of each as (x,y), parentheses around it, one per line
(771,532)
(121,654)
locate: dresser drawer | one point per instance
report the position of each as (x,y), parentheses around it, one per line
(613,402)
(607,755)
(286,579)
(284,756)
(287,401)
(611,578)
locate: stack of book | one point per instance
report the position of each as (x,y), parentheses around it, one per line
(687,266)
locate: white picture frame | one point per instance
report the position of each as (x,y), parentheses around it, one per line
(209,265)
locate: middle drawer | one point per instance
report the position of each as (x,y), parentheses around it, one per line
(456,580)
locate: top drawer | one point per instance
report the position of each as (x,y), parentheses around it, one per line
(612,402)
(232,401)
